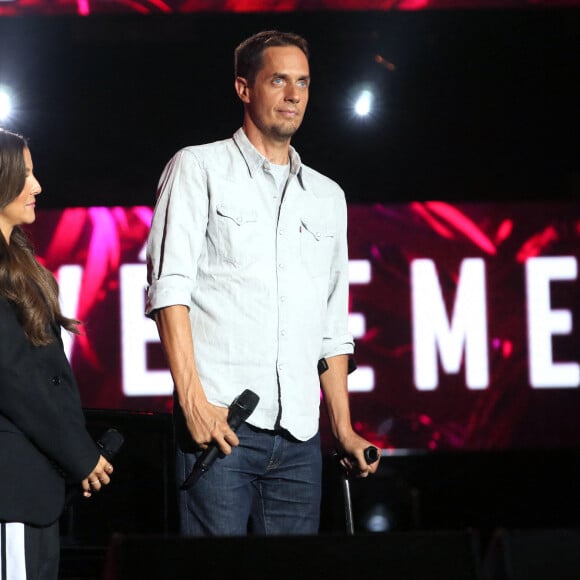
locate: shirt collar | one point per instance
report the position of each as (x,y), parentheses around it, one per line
(255,160)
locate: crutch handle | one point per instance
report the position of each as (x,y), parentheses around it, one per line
(372,454)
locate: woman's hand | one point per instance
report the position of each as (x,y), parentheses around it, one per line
(98,477)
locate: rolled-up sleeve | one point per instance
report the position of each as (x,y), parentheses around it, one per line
(176,238)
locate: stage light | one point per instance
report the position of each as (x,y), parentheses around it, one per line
(378,519)
(363,103)
(5,105)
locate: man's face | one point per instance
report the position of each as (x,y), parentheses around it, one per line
(277,101)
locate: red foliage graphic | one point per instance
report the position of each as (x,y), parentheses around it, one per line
(88,7)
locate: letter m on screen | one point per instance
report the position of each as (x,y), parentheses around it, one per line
(462,338)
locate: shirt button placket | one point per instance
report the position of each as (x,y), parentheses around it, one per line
(282,310)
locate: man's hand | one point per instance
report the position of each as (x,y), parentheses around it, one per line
(359,456)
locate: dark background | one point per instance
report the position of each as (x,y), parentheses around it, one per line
(482,104)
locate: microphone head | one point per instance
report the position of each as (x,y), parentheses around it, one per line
(244,404)
(110,442)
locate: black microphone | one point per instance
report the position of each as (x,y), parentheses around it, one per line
(241,408)
(108,444)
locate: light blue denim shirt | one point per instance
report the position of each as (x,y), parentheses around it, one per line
(266,283)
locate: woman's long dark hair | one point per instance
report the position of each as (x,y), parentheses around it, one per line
(24,282)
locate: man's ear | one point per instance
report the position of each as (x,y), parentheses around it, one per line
(243,89)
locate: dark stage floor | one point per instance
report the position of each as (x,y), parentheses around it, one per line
(481,515)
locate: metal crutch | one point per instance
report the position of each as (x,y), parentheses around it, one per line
(371,455)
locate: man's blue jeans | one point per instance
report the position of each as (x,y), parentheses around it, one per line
(269,485)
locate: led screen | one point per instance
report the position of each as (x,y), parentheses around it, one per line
(465,318)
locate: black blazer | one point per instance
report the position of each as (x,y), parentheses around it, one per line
(43,439)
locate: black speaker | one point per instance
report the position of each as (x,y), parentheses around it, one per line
(546,554)
(396,556)
(141,497)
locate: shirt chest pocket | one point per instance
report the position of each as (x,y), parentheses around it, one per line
(316,245)
(238,234)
